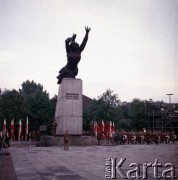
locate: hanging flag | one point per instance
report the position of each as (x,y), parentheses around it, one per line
(102,125)
(27,127)
(113,128)
(20,131)
(12,130)
(99,126)
(110,128)
(95,128)
(4,125)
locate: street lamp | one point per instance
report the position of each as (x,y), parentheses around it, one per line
(169,97)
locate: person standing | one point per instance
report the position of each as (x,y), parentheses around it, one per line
(7,138)
(99,138)
(54,126)
(29,139)
(66,140)
(4,139)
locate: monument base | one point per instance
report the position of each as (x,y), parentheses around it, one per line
(69,110)
(75,140)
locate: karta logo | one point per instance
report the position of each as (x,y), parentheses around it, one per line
(114,169)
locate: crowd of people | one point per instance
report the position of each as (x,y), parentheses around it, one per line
(136,137)
(5,138)
(117,137)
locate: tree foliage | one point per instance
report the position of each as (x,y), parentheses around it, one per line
(125,115)
(106,107)
(12,104)
(30,88)
(30,101)
(136,112)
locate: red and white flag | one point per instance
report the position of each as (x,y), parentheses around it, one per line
(20,131)
(12,130)
(4,125)
(110,128)
(102,125)
(95,128)
(27,127)
(113,128)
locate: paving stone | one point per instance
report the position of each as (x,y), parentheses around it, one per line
(69,177)
(6,167)
(87,162)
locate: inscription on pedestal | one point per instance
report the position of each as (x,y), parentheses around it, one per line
(73,96)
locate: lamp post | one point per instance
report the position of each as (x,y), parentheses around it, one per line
(169,97)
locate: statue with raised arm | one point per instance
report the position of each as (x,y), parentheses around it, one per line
(73,56)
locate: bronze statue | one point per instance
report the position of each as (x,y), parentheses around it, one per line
(73,56)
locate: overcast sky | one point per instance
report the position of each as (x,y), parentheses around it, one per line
(132,47)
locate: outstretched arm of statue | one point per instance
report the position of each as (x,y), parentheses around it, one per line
(85,39)
(69,40)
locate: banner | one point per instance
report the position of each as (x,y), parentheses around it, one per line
(95,128)
(27,127)
(20,131)
(4,125)
(12,130)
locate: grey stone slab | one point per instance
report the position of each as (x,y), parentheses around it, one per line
(28,177)
(60,169)
(87,162)
(70,177)
(43,174)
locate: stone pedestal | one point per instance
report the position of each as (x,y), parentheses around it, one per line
(69,108)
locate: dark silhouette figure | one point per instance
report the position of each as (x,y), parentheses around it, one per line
(67,137)
(73,56)
(54,126)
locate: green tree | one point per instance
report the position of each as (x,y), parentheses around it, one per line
(12,106)
(30,87)
(52,108)
(32,101)
(106,107)
(136,112)
(38,104)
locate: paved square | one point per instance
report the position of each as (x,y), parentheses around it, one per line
(88,162)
